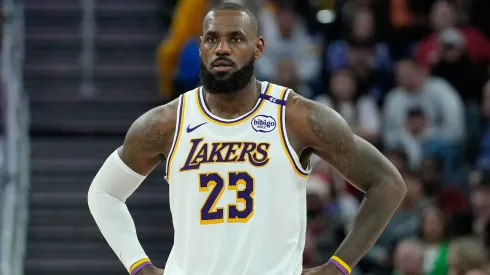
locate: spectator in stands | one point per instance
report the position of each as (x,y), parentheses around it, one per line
(409,258)
(362,29)
(437,103)
(480,200)
(466,254)
(438,100)
(360,111)
(475,219)
(486,238)
(443,16)
(483,160)
(338,200)
(186,75)
(478,14)
(434,235)
(415,196)
(468,77)
(330,215)
(404,224)
(399,158)
(369,60)
(436,191)
(404,22)
(455,65)
(415,134)
(292,57)
(184,31)
(351,8)
(322,225)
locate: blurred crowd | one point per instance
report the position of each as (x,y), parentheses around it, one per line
(410,76)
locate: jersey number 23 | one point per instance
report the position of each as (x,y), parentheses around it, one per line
(240,182)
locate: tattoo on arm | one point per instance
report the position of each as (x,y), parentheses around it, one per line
(362,165)
(149,137)
(355,158)
(333,132)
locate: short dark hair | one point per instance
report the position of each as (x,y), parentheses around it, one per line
(230,6)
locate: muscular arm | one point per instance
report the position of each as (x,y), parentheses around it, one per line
(146,143)
(320,128)
(149,139)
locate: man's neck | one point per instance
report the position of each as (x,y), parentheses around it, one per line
(233,105)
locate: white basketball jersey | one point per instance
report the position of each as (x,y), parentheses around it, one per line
(237,191)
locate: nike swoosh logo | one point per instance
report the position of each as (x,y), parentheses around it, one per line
(189,129)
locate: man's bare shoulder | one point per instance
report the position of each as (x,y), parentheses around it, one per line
(318,127)
(322,129)
(298,105)
(156,121)
(150,136)
(314,122)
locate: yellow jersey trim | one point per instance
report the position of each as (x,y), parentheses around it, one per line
(178,134)
(283,136)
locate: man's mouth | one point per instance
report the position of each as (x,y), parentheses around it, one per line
(222,65)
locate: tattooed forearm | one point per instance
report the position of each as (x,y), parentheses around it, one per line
(362,165)
(371,172)
(149,138)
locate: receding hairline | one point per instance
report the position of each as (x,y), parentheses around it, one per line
(252,20)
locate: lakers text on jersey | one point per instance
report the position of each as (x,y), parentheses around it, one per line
(237,190)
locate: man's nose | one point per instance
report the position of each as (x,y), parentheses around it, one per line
(223,48)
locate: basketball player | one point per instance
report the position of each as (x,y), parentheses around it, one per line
(237,159)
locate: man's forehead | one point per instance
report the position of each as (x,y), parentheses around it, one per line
(224,21)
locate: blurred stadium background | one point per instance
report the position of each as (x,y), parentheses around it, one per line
(410,76)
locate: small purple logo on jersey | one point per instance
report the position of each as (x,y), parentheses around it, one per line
(263,123)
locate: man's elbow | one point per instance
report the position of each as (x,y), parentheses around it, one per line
(390,185)
(397,186)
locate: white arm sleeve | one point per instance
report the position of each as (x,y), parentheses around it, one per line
(112,185)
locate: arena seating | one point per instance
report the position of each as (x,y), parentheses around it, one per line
(71,139)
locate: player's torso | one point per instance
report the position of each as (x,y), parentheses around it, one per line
(237,191)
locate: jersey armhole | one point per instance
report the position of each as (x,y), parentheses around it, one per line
(289,150)
(178,133)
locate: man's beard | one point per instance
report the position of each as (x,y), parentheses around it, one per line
(222,82)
